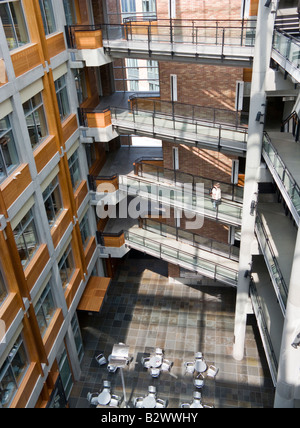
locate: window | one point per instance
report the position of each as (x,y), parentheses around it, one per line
(45,309)
(85,229)
(3,290)
(66,266)
(48,16)
(8,153)
(70,12)
(149,9)
(36,120)
(12,16)
(128,6)
(62,97)
(65,371)
(74,170)
(77,336)
(81,87)
(26,238)
(91,156)
(52,201)
(12,372)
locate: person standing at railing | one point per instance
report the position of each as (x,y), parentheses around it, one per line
(216,195)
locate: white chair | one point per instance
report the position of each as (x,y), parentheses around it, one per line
(205,406)
(106,384)
(166,366)
(212,372)
(115,401)
(185,406)
(198,356)
(138,402)
(101,360)
(199,383)
(152,389)
(92,398)
(189,367)
(154,372)
(146,362)
(158,351)
(197,395)
(161,404)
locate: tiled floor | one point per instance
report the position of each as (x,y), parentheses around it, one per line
(144,311)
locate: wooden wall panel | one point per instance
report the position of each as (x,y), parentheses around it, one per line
(53,330)
(89,250)
(15,184)
(36,266)
(56,44)
(80,194)
(9,309)
(25,389)
(26,59)
(99,120)
(72,288)
(45,152)
(69,126)
(60,227)
(89,39)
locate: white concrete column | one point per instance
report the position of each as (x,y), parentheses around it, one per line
(262,55)
(288,381)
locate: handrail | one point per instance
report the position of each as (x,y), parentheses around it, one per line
(185,257)
(175,174)
(193,111)
(285,126)
(213,243)
(282,288)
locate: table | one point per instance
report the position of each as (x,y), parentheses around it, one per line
(200,366)
(104,398)
(155,361)
(149,402)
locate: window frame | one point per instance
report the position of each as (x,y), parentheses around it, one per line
(7,133)
(51,194)
(31,112)
(3,289)
(17,42)
(83,225)
(48,17)
(61,90)
(39,308)
(22,233)
(9,368)
(61,265)
(73,161)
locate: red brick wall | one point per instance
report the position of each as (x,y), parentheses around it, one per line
(201,162)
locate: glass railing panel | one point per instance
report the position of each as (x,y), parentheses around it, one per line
(223,273)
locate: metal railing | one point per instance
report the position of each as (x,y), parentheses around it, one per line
(193,202)
(287,46)
(265,335)
(194,262)
(212,135)
(289,183)
(207,244)
(230,192)
(292,124)
(216,32)
(272,262)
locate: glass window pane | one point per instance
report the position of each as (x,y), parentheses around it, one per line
(8,385)
(48,16)
(26,238)
(3,290)
(14,24)
(53,201)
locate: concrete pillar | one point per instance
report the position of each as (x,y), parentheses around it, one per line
(288,382)
(262,55)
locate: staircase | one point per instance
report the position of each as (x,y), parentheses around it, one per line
(287,20)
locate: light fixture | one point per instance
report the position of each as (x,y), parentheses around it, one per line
(258,116)
(268,2)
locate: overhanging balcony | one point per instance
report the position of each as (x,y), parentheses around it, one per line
(226,42)
(286,52)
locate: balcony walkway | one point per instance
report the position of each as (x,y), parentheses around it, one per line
(181,130)
(206,44)
(187,256)
(282,156)
(168,195)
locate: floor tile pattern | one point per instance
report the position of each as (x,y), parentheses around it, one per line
(145,311)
